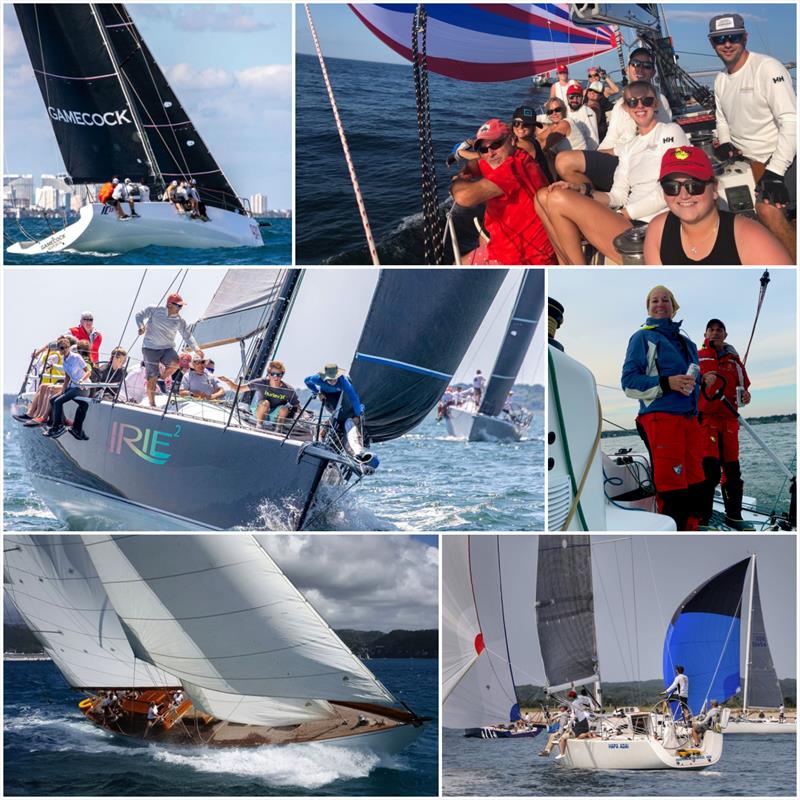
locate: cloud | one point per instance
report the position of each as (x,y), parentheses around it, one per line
(185,76)
(13,45)
(269,80)
(237,18)
(270,77)
(376,582)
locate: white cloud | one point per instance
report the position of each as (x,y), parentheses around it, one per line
(238,18)
(273,78)
(185,76)
(13,45)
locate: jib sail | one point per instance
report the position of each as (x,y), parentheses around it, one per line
(519,334)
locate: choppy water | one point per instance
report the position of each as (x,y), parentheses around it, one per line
(378,111)
(751,764)
(427,481)
(762,479)
(50,749)
(277,249)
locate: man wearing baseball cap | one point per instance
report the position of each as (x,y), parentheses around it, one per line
(506,179)
(694,230)
(757,118)
(559,88)
(582,116)
(160,325)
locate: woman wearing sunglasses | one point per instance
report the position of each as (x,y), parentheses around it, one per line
(694,230)
(572,212)
(559,133)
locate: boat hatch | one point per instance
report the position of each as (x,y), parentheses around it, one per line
(641,723)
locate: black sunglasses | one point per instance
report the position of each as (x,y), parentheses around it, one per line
(693,186)
(647,102)
(276,374)
(523,123)
(87,319)
(724,38)
(551,111)
(636,64)
(495,145)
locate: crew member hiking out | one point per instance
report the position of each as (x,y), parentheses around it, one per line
(330,383)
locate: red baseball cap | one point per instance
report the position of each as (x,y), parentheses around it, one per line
(562,68)
(492,129)
(574,88)
(175,298)
(687,160)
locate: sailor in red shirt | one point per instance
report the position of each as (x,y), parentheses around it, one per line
(85,332)
(506,179)
(721,457)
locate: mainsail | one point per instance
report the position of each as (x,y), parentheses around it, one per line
(704,638)
(761,686)
(486,42)
(418,328)
(222,615)
(54,586)
(112,110)
(477,678)
(565,611)
(519,334)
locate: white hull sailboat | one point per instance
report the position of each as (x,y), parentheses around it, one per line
(465,422)
(768,726)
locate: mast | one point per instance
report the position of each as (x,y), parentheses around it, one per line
(154,168)
(749,646)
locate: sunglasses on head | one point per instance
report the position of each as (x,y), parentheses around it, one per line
(495,145)
(647,102)
(636,64)
(693,186)
(551,111)
(725,38)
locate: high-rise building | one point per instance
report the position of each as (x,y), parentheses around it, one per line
(258,203)
(46,197)
(18,191)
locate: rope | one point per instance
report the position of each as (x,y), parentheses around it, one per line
(432,224)
(130,310)
(343,139)
(764,280)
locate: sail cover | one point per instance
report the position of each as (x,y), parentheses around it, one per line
(241,307)
(222,615)
(94,126)
(519,334)
(477,678)
(54,586)
(418,329)
(565,611)
(486,42)
(703,638)
(762,688)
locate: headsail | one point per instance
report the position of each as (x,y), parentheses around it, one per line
(565,611)
(704,637)
(761,686)
(54,586)
(222,615)
(419,326)
(519,334)
(486,41)
(477,678)
(241,307)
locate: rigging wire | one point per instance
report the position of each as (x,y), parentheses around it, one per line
(764,282)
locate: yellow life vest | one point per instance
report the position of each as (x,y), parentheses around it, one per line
(51,367)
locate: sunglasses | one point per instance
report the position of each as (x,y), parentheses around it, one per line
(276,374)
(636,64)
(87,319)
(495,145)
(521,123)
(693,187)
(647,102)
(594,74)
(551,111)
(725,38)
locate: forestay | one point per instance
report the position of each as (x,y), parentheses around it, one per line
(241,307)
(704,638)
(54,586)
(219,613)
(487,41)
(565,611)
(418,328)
(761,688)
(518,337)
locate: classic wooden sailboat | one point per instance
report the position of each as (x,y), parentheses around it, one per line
(496,420)
(114,114)
(207,628)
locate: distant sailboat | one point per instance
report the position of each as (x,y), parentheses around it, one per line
(211,617)
(497,419)
(114,114)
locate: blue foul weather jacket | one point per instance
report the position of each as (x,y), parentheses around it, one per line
(656,352)
(317,384)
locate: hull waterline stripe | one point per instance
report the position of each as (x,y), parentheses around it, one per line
(75,77)
(390,362)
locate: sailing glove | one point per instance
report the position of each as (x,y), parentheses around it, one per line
(772,189)
(725,152)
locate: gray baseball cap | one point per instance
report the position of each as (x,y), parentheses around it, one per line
(726,23)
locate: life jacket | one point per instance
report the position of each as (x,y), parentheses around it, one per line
(728,364)
(51,367)
(106,190)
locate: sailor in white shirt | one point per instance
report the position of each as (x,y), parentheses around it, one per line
(680,688)
(559,88)
(757,117)
(582,116)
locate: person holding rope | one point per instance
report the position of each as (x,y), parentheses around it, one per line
(330,384)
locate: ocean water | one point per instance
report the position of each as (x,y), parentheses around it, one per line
(762,479)
(426,481)
(751,764)
(49,749)
(377,106)
(277,249)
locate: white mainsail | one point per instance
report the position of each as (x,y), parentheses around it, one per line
(477,682)
(54,586)
(218,612)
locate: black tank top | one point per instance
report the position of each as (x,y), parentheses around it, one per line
(724,251)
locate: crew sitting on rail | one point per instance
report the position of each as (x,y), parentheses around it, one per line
(693,230)
(198,207)
(121,194)
(171,196)
(581,115)
(274,395)
(559,133)
(573,211)
(76,372)
(706,723)
(198,383)
(115,197)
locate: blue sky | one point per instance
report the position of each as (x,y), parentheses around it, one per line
(231,67)
(771,27)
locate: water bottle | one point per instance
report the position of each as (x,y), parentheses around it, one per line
(693,371)
(739,395)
